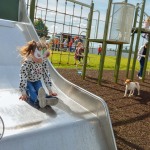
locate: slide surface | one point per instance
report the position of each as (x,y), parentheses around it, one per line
(80,121)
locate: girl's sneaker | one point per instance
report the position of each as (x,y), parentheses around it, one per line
(51,100)
(45,100)
(140,78)
(41,97)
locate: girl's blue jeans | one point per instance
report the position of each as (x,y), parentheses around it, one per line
(142,61)
(32,90)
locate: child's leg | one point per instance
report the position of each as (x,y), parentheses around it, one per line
(41,97)
(37,85)
(40,94)
(32,90)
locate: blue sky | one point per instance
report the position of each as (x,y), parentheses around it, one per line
(100,5)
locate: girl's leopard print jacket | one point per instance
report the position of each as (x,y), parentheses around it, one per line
(31,71)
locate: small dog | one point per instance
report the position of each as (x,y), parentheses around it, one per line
(131,86)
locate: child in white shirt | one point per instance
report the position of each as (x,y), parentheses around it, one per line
(40,53)
(146,26)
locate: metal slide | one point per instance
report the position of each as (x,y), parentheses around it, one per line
(80,121)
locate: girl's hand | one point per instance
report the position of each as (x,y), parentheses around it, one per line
(52,94)
(23,97)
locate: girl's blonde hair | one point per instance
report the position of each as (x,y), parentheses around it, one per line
(148,19)
(41,45)
(79,43)
(26,50)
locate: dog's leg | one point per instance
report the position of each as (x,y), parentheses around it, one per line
(125,94)
(131,93)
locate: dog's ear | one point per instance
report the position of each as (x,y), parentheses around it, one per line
(130,80)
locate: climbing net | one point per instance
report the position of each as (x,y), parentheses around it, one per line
(66,21)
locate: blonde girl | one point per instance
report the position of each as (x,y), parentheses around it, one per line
(31,74)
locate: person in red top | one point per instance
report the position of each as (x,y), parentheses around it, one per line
(70,45)
(99,49)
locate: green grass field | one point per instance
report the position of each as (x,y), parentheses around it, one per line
(66,60)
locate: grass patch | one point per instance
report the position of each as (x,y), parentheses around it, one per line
(66,60)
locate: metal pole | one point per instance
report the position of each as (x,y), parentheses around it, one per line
(87,40)
(97,21)
(32,10)
(132,41)
(101,65)
(138,39)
